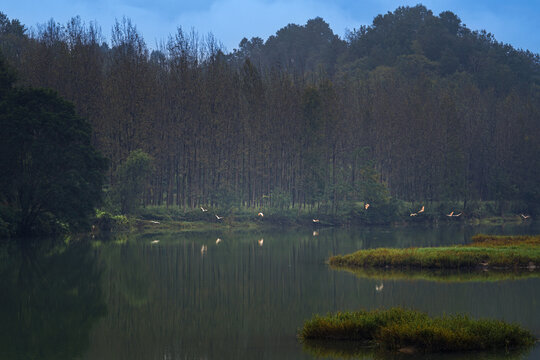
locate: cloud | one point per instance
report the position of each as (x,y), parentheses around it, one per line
(231,20)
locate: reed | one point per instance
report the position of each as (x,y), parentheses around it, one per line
(397,329)
(485,251)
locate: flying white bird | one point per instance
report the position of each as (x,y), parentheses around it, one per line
(218,240)
(203,209)
(421,210)
(413,214)
(458,214)
(315,220)
(315,233)
(154,242)
(366,206)
(219,217)
(260,242)
(379,287)
(451,214)
(154,222)
(525,217)
(260,214)
(204,248)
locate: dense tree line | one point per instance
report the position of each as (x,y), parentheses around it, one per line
(415,103)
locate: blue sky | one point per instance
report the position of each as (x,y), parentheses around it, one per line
(515,22)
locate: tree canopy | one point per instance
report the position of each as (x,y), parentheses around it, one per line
(50,176)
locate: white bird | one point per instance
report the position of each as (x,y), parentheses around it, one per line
(260,214)
(315,220)
(219,217)
(413,214)
(421,210)
(203,209)
(218,240)
(154,222)
(379,287)
(458,214)
(154,242)
(525,217)
(260,242)
(451,214)
(204,248)
(366,206)
(315,233)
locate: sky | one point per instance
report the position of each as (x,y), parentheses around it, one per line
(514,22)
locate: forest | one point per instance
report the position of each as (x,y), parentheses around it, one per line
(414,107)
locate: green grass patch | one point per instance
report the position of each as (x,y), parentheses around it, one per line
(396,329)
(506,252)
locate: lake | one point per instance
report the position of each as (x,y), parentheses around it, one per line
(186,297)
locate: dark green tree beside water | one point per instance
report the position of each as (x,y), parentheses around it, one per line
(51,176)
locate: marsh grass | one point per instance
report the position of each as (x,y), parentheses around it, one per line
(397,328)
(486,250)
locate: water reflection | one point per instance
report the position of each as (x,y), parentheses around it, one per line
(242,301)
(354,350)
(443,275)
(50,298)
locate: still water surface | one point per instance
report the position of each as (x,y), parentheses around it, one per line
(130,299)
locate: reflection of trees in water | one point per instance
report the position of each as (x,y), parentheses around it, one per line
(440,275)
(364,351)
(241,300)
(50,299)
(128,274)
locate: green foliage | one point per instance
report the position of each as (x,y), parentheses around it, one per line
(106,221)
(280,199)
(224,198)
(397,328)
(513,252)
(133,177)
(50,176)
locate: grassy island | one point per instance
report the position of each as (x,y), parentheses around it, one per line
(411,331)
(508,252)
